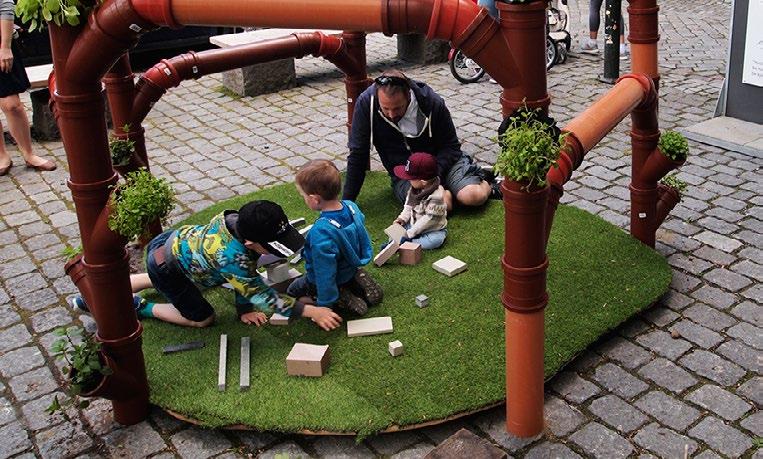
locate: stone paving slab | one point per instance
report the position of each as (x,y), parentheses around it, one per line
(685,374)
(730,134)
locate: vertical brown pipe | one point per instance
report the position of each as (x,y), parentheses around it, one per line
(81,119)
(668,198)
(356,79)
(524,261)
(644,35)
(524,28)
(524,298)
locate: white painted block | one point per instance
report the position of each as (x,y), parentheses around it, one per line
(395,348)
(304,230)
(278,319)
(244,368)
(395,232)
(449,266)
(367,327)
(308,360)
(278,273)
(222,363)
(293,273)
(297,222)
(386,253)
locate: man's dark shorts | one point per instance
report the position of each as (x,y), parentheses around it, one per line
(464,172)
(169,280)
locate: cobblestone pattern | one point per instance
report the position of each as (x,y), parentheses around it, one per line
(684,377)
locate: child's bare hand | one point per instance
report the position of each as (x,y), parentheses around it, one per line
(326,318)
(254,318)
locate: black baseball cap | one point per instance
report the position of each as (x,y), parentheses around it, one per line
(265,222)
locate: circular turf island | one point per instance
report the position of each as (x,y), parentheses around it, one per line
(454,349)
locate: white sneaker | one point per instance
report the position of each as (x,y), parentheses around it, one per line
(589,47)
(624,52)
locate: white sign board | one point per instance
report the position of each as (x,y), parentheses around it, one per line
(752,71)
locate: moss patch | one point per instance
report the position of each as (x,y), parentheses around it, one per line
(454,349)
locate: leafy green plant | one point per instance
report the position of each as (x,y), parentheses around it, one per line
(674,145)
(140,200)
(84,368)
(70,252)
(121,149)
(38,12)
(674,182)
(528,149)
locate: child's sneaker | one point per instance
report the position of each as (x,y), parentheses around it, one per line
(347,300)
(589,47)
(369,289)
(138,303)
(79,303)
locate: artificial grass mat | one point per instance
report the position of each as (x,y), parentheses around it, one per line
(454,349)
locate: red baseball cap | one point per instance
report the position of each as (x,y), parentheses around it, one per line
(420,166)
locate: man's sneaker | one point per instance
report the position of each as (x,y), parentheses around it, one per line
(486,173)
(495,191)
(589,47)
(347,300)
(624,52)
(368,288)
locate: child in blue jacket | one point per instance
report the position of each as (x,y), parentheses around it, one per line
(336,247)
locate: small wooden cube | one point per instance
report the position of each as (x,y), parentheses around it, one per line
(449,266)
(278,319)
(308,360)
(279,272)
(410,253)
(422,301)
(395,348)
(281,286)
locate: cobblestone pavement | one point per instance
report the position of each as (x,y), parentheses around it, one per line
(637,392)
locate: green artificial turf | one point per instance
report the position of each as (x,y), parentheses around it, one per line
(454,349)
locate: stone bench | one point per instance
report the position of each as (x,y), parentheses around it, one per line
(44,125)
(261,78)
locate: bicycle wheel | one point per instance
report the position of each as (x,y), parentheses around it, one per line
(464,69)
(551,52)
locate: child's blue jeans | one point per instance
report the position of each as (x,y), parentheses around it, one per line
(430,240)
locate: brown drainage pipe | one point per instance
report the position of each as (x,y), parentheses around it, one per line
(81,120)
(586,130)
(644,35)
(668,198)
(170,73)
(524,29)
(460,21)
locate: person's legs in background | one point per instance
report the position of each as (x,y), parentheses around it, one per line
(18,125)
(594,21)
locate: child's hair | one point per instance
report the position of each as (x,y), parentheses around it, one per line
(320,177)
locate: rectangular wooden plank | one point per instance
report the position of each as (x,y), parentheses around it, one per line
(367,327)
(244,368)
(223,363)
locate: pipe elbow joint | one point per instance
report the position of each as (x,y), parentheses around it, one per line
(647,84)
(158,12)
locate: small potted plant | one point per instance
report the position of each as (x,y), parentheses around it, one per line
(672,150)
(529,147)
(137,202)
(86,368)
(121,149)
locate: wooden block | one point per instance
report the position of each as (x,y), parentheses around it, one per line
(283,285)
(304,230)
(449,266)
(308,360)
(182,347)
(297,222)
(223,362)
(278,272)
(244,368)
(367,327)
(410,253)
(395,232)
(278,319)
(386,253)
(422,301)
(395,348)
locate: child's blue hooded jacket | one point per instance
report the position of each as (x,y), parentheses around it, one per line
(335,247)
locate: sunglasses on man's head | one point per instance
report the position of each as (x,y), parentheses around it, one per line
(387,80)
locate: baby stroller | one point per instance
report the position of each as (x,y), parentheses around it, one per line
(558,37)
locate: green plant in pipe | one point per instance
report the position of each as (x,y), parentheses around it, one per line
(70,252)
(84,367)
(528,149)
(140,200)
(38,12)
(674,182)
(121,149)
(674,145)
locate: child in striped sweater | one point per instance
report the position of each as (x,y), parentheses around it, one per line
(424,215)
